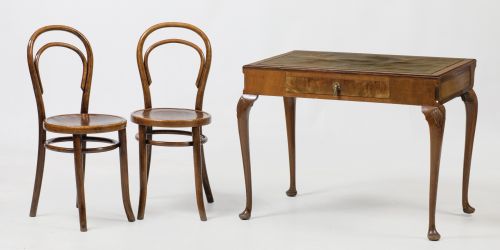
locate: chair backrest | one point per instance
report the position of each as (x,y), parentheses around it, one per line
(33,60)
(205,59)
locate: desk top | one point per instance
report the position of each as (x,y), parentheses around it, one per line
(414,80)
(365,63)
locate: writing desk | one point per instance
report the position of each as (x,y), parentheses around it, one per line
(425,81)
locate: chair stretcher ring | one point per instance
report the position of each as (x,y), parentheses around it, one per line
(113,144)
(170,143)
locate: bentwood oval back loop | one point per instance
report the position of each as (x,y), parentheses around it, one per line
(34,58)
(205,58)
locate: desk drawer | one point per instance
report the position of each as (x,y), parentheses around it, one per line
(338,86)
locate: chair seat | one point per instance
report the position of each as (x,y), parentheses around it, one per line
(84,123)
(170,117)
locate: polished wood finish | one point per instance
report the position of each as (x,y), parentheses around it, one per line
(77,125)
(150,141)
(301,83)
(50,145)
(243,113)
(436,117)
(40,163)
(122,134)
(206,182)
(84,123)
(424,81)
(470,100)
(429,82)
(150,117)
(80,191)
(358,62)
(85,150)
(197,159)
(289,103)
(205,59)
(149,147)
(171,117)
(143,172)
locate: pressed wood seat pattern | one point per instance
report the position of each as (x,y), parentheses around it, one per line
(150,117)
(84,123)
(171,117)
(78,125)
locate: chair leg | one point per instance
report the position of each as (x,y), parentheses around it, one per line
(84,156)
(122,134)
(149,147)
(197,156)
(39,173)
(206,182)
(142,172)
(77,145)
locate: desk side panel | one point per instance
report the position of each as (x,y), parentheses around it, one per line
(264,82)
(456,82)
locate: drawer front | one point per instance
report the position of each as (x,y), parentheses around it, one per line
(338,86)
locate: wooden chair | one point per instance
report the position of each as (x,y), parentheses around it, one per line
(149,117)
(76,125)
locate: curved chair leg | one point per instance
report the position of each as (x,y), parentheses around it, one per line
(149,147)
(436,117)
(143,172)
(470,100)
(122,134)
(84,156)
(197,157)
(243,111)
(290,131)
(77,145)
(39,172)
(206,182)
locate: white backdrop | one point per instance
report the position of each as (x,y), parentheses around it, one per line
(362,168)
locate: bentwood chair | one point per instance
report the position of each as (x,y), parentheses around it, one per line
(76,126)
(150,117)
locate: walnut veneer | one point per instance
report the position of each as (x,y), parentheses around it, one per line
(425,81)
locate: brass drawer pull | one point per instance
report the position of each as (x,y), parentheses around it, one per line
(336,89)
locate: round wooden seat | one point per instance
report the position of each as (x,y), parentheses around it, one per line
(170,117)
(84,123)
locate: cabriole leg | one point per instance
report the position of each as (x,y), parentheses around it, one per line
(290,131)
(243,111)
(470,101)
(436,117)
